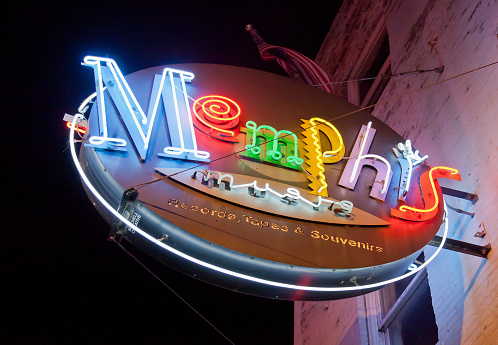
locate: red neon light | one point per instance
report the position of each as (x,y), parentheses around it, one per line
(217,116)
(80,129)
(429,192)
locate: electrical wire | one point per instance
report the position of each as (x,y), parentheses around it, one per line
(170,289)
(385,76)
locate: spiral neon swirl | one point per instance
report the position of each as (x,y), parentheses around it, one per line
(216,115)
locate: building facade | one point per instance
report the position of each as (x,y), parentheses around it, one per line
(442,95)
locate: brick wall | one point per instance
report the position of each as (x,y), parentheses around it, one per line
(455,123)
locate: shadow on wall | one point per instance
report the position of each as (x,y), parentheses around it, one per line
(447,282)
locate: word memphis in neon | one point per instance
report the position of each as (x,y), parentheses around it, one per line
(219,116)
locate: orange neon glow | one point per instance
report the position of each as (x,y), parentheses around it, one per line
(217,116)
(430,194)
(80,129)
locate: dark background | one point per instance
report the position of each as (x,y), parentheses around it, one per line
(64,282)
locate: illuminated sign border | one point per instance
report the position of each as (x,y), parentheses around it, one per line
(219,269)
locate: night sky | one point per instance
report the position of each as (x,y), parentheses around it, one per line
(65,282)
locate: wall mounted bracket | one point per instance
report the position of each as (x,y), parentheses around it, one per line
(481,232)
(459,194)
(462,247)
(127,209)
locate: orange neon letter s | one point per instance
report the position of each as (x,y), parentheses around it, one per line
(429,192)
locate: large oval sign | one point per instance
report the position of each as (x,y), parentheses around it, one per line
(256,182)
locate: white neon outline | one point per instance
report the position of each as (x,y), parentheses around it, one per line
(180,150)
(291,192)
(177,112)
(189,114)
(232,273)
(360,151)
(119,78)
(407,151)
(83,106)
(123,86)
(385,185)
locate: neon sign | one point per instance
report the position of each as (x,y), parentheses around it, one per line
(244,219)
(316,158)
(408,161)
(217,116)
(219,113)
(429,191)
(139,126)
(233,273)
(265,143)
(355,163)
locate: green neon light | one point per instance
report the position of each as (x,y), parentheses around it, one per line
(265,144)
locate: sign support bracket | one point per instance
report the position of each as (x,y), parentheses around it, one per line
(126,209)
(456,245)
(462,247)
(460,194)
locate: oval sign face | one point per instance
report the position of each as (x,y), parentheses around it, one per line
(260,176)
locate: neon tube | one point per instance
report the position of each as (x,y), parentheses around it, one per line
(135,110)
(413,209)
(318,157)
(203,155)
(417,214)
(208,111)
(412,158)
(315,132)
(385,185)
(226,271)
(293,193)
(83,106)
(77,128)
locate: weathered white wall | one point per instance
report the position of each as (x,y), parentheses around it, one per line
(334,322)
(351,29)
(455,123)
